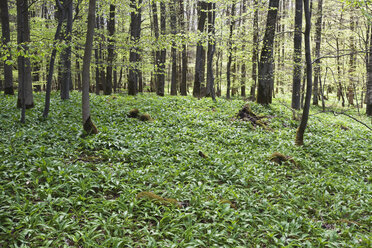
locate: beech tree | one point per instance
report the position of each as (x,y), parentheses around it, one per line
(25,97)
(265,68)
(309,73)
(8,71)
(88,125)
(297,75)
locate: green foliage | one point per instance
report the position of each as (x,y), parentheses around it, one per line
(60,189)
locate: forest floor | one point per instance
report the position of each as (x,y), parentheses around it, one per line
(59,188)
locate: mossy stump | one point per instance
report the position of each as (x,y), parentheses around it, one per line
(279,158)
(160,200)
(133,113)
(246,114)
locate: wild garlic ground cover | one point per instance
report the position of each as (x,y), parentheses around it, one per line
(61,189)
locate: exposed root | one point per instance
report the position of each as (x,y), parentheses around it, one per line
(89,127)
(246,114)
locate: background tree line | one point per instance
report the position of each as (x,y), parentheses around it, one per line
(248,48)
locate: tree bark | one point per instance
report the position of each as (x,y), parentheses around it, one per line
(134,57)
(162,54)
(211,49)
(88,125)
(265,68)
(369,78)
(318,38)
(52,61)
(254,52)
(229,60)
(173,24)
(66,81)
(305,114)
(25,97)
(8,71)
(183,86)
(200,53)
(110,50)
(243,66)
(297,68)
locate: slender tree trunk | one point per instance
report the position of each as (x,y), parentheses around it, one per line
(88,125)
(162,54)
(134,57)
(254,51)
(78,74)
(229,61)
(297,75)
(8,71)
(352,64)
(305,115)
(243,66)
(66,81)
(369,78)
(318,38)
(200,53)
(211,50)
(110,50)
(52,62)
(183,86)
(265,69)
(25,97)
(97,60)
(173,24)
(155,24)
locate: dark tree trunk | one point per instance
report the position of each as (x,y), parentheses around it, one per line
(369,78)
(183,86)
(211,49)
(52,61)
(243,66)
(66,81)
(173,25)
(254,51)
(229,61)
(97,60)
(265,69)
(297,75)
(155,24)
(88,125)
(134,57)
(318,37)
(8,72)
(110,50)
(200,53)
(78,74)
(305,114)
(25,97)
(162,54)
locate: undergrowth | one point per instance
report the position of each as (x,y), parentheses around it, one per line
(59,188)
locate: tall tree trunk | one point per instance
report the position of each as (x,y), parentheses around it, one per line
(230,49)
(183,86)
(155,24)
(369,78)
(265,68)
(110,50)
(173,24)
(97,59)
(78,74)
(305,114)
(254,51)
(25,97)
(211,50)
(318,38)
(200,53)
(52,61)
(8,71)
(297,74)
(352,64)
(88,125)
(162,54)
(66,81)
(243,66)
(134,57)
